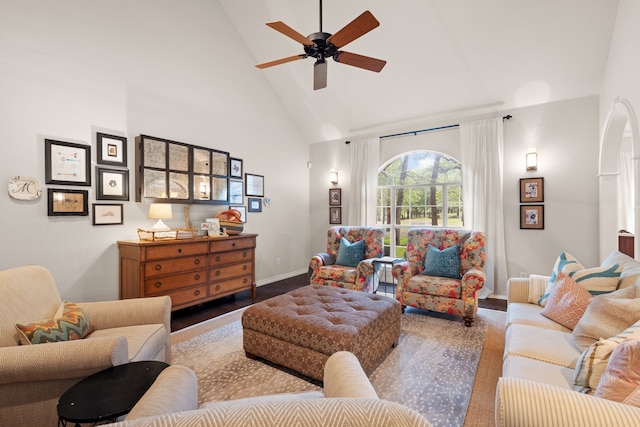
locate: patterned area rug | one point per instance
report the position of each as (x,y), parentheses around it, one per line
(431,370)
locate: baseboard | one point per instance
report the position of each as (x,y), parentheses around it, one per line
(280,277)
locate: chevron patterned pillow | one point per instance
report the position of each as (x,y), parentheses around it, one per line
(70,323)
(567,302)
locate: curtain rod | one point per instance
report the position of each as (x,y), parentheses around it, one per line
(416,132)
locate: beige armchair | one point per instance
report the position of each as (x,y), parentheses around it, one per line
(33,377)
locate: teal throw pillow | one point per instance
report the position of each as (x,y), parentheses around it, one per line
(350,254)
(442,263)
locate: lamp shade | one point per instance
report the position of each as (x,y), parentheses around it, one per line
(160,211)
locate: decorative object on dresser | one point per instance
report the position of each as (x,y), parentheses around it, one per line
(189,271)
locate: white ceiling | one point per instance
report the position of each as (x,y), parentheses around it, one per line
(445,58)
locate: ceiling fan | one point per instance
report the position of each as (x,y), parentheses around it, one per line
(323,45)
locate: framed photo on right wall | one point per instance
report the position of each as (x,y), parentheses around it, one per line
(532,217)
(531,190)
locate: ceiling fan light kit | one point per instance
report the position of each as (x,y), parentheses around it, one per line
(323,45)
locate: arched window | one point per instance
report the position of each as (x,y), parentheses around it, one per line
(418,189)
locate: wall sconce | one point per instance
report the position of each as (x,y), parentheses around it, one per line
(532,159)
(160,211)
(333,177)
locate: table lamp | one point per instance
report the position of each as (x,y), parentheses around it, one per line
(160,211)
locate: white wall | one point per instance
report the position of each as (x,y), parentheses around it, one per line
(174,70)
(566,137)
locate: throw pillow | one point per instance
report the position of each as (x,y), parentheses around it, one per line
(71,323)
(606,316)
(592,363)
(565,262)
(350,254)
(442,263)
(621,379)
(567,302)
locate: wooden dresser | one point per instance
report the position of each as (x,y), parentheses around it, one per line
(190,271)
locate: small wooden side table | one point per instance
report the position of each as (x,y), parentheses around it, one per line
(108,394)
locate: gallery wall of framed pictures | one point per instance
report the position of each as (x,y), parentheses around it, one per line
(531,204)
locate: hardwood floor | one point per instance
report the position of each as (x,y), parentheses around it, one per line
(181,319)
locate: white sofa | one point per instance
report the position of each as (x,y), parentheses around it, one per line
(536,387)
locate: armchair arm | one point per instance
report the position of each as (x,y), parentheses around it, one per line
(344,377)
(61,360)
(525,403)
(404,270)
(129,312)
(175,390)
(472,281)
(318,261)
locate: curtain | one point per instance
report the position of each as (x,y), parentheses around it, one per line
(482,184)
(365,160)
(626,220)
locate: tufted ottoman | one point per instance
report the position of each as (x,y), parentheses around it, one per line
(302,328)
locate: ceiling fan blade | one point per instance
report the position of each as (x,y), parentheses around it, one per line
(290,32)
(319,75)
(360,61)
(354,29)
(281,61)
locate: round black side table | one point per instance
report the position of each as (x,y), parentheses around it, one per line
(108,394)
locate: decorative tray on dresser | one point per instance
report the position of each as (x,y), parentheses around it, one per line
(190,271)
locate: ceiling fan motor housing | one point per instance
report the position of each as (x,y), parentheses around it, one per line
(320,48)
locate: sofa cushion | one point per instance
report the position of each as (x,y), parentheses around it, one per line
(69,323)
(593,361)
(442,263)
(630,268)
(350,254)
(606,316)
(537,370)
(621,380)
(529,314)
(145,342)
(547,345)
(567,301)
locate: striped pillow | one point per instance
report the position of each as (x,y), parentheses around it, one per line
(69,323)
(592,363)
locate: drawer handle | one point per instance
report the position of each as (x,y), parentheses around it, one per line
(217,272)
(244,267)
(179,250)
(158,267)
(244,254)
(218,287)
(158,285)
(197,292)
(233,244)
(197,261)
(218,258)
(197,277)
(245,280)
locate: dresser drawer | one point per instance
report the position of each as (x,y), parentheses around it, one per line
(227,271)
(176,250)
(231,244)
(176,265)
(223,258)
(187,296)
(163,284)
(231,286)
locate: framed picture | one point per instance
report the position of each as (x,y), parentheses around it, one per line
(112,150)
(255,205)
(532,217)
(108,213)
(235,169)
(113,184)
(242,210)
(335,215)
(254,185)
(67,202)
(67,163)
(335,197)
(531,190)
(236,191)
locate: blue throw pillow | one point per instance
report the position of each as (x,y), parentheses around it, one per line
(350,254)
(442,263)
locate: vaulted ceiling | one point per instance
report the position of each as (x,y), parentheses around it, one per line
(445,58)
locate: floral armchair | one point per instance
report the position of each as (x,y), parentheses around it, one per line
(419,286)
(325,271)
